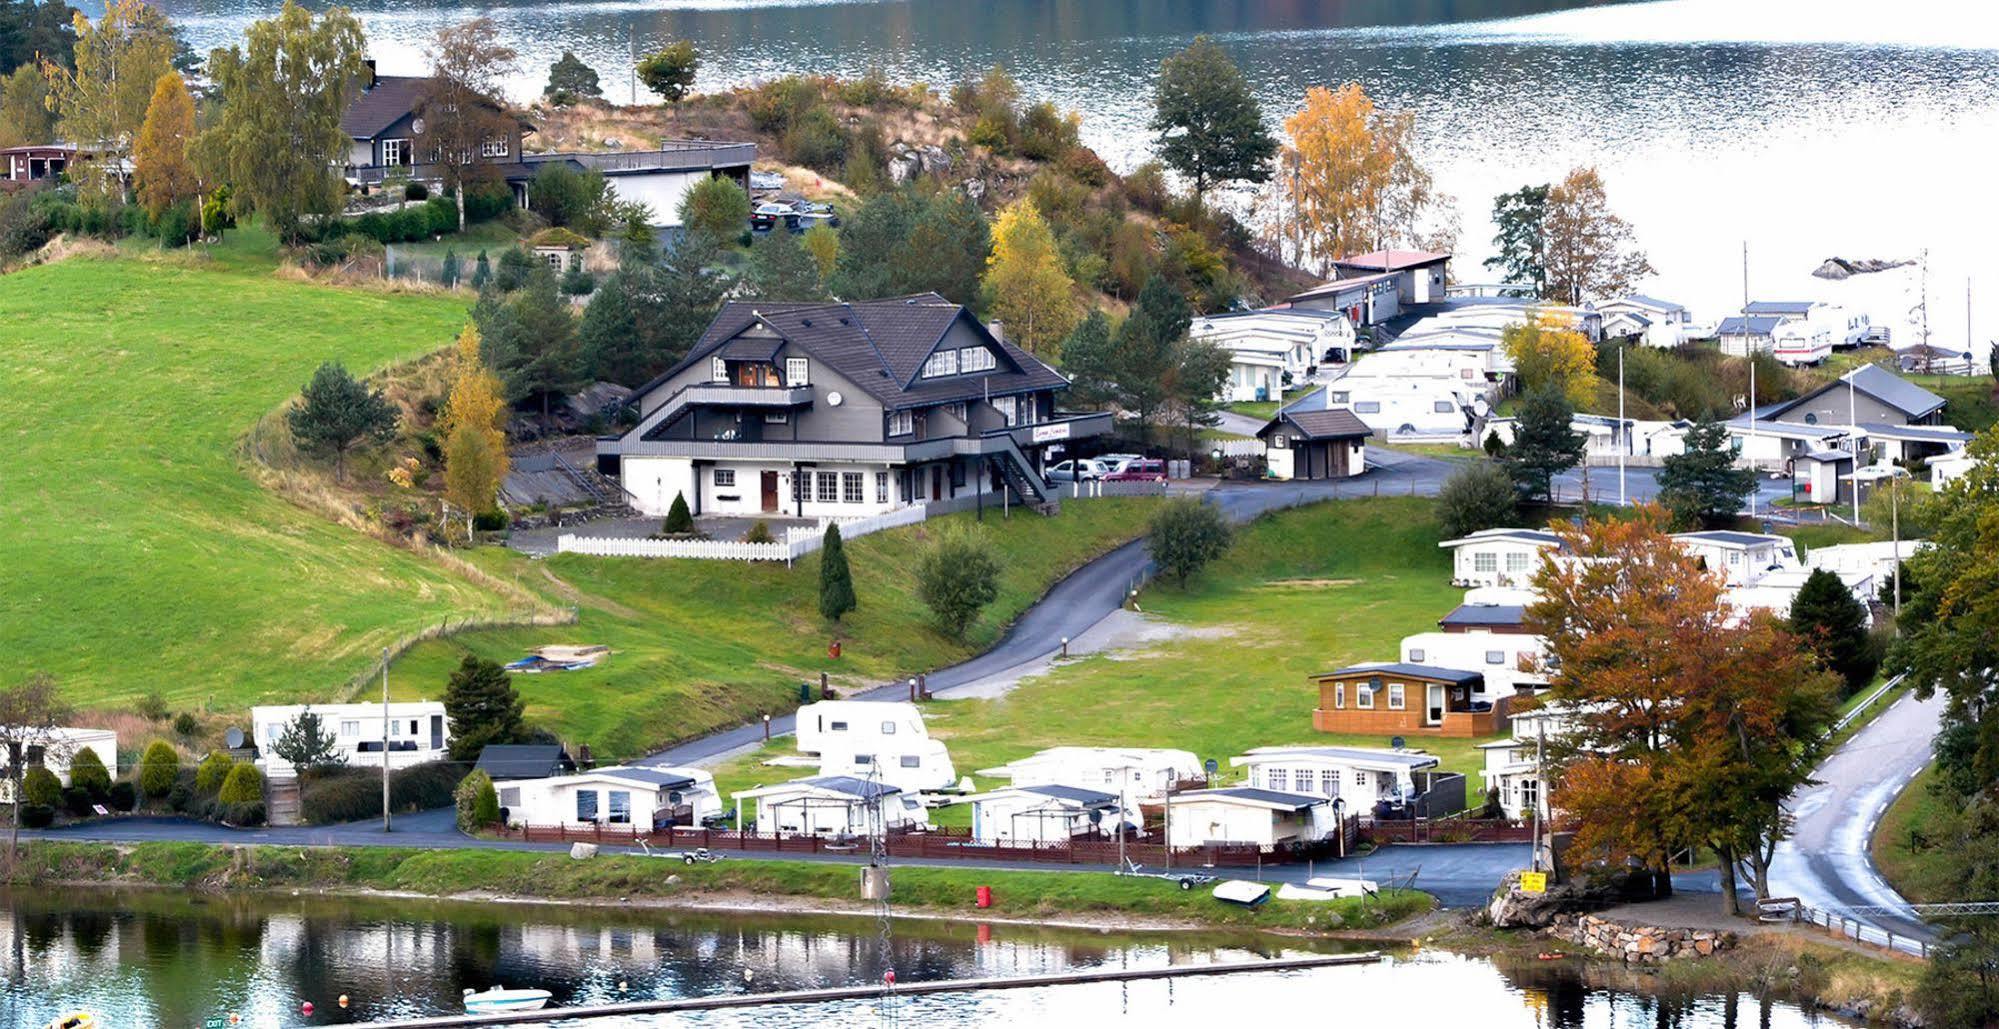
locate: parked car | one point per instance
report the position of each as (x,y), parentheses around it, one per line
(1080,470)
(768,216)
(1116,462)
(1142,470)
(813,213)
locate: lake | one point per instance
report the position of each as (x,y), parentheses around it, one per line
(1803,128)
(142,959)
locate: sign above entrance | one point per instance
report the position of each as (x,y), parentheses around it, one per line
(1050,433)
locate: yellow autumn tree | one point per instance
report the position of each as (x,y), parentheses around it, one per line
(160,162)
(1547,351)
(1351,175)
(103,95)
(475,443)
(1026,287)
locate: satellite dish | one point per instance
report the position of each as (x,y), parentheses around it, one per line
(1096,816)
(673,797)
(1210,765)
(1396,742)
(834,399)
(233,738)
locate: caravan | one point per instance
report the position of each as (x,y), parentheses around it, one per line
(875,739)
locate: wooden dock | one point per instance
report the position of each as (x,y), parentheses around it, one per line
(871,991)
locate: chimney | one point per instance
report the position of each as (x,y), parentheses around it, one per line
(368,76)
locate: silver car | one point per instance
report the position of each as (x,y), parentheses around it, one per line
(1080,470)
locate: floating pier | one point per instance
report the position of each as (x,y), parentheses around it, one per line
(871,990)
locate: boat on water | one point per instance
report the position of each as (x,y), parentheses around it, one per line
(75,1020)
(499,999)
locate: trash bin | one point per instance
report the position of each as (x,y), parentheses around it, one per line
(985,896)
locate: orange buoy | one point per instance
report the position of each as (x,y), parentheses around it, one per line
(305,1009)
(343,1000)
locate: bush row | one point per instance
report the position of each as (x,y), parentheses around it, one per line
(352,794)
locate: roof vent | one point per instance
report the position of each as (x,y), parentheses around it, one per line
(807,322)
(844,320)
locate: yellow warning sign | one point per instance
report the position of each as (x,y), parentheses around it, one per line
(1533,882)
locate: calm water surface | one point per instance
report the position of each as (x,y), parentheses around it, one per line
(1806,128)
(157,958)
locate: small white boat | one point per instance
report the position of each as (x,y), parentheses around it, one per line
(1239,891)
(500,999)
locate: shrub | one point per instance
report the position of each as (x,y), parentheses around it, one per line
(478,803)
(956,578)
(679,520)
(87,772)
(816,140)
(423,787)
(485,201)
(77,802)
(1185,535)
(244,785)
(353,794)
(248,813)
(1475,497)
(759,533)
(490,521)
(177,226)
(37,816)
(213,770)
(1146,187)
(414,190)
(153,707)
(40,786)
(124,796)
(185,725)
(157,770)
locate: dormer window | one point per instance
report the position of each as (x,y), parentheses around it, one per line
(976,359)
(941,363)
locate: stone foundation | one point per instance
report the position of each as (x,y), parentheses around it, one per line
(1639,944)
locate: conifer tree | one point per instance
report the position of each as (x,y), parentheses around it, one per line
(836,580)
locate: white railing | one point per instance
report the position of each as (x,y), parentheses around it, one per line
(797,542)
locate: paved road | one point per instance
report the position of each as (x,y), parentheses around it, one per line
(1826,862)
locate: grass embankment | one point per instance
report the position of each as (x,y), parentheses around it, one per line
(1300,592)
(1905,847)
(1097,898)
(140,556)
(1267,409)
(699,645)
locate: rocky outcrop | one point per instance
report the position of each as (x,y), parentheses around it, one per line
(1638,944)
(906,161)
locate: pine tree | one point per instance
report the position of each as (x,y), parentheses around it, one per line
(570,80)
(482,273)
(836,581)
(483,708)
(1833,623)
(157,769)
(337,413)
(1544,444)
(306,744)
(1210,127)
(450,272)
(679,520)
(780,269)
(1702,484)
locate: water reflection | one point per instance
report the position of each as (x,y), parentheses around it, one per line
(172,959)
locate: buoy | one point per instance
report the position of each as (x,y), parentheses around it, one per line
(343,1000)
(621,986)
(889,977)
(746,975)
(234,1018)
(305,1009)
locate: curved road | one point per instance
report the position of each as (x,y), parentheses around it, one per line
(1826,862)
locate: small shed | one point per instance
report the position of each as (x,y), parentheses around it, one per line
(832,805)
(1818,477)
(560,247)
(1043,814)
(1315,444)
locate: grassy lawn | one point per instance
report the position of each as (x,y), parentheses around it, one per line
(608,878)
(1907,860)
(1300,592)
(1267,409)
(700,645)
(139,554)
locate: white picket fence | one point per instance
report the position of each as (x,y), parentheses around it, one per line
(798,541)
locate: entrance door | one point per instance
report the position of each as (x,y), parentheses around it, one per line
(1339,451)
(770,491)
(437,732)
(1433,710)
(936,482)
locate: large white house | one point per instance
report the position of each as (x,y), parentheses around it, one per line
(1132,772)
(58,748)
(1274,347)
(417,731)
(1651,321)
(832,805)
(1741,557)
(886,739)
(1246,814)
(1361,776)
(640,797)
(1499,557)
(1048,814)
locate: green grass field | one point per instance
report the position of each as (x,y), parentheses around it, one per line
(700,645)
(139,554)
(1903,848)
(1300,592)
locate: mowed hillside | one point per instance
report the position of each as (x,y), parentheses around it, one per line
(135,553)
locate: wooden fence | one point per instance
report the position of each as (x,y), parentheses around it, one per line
(797,542)
(1149,851)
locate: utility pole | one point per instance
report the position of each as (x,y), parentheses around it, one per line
(386,827)
(1853,440)
(1540,785)
(1895,521)
(1623,427)
(632,61)
(1169,825)
(1752,436)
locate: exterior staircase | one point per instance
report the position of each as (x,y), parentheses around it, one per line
(608,498)
(281,801)
(1027,486)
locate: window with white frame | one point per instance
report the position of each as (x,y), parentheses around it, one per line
(976,359)
(725,478)
(395,151)
(510,797)
(1416,655)
(1277,778)
(829,487)
(498,146)
(620,807)
(1329,782)
(1530,795)
(1485,562)
(586,805)
(794,371)
(1395,696)
(718,370)
(881,487)
(1359,777)
(350,728)
(901,423)
(1363,696)
(1005,406)
(1516,562)
(850,488)
(941,363)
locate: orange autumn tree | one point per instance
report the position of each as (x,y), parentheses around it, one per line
(1690,724)
(1351,174)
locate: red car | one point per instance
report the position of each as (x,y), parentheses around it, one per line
(1139,471)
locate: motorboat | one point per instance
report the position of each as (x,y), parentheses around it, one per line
(75,1020)
(500,999)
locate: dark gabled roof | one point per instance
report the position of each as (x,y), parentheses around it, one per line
(1087,798)
(851,786)
(879,345)
(1391,260)
(750,348)
(1455,676)
(523,761)
(1337,424)
(1485,615)
(374,109)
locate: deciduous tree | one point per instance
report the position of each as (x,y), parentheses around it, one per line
(1474,498)
(715,209)
(30,713)
(670,70)
(1210,128)
(836,580)
(1351,174)
(956,578)
(278,139)
(483,708)
(337,413)
(462,111)
(161,163)
(1520,245)
(822,241)
(25,118)
(1185,535)
(570,80)
(475,442)
(1194,386)
(1026,287)
(1701,485)
(1547,353)
(1544,444)
(101,98)
(1590,253)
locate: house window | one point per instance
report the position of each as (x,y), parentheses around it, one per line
(776,417)
(718,370)
(976,359)
(1339,695)
(586,805)
(1530,795)
(1329,782)
(901,423)
(1277,778)
(725,478)
(1278,441)
(1516,562)
(850,487)
(1359,777)
(1416,655)
(1495,657)
(621,807)
(888,728)
(881,487)
(350,728)
(1441,406)
(794,371)
(1368,407)
(912,761)
(829,487)
(510,797)
(1363,696)
(1340,397)
(1005,406)
(941,363)
(837,727)
(395,151)
(1485,562)
(864,759)
(555,259)
(495,147)
(1395,696)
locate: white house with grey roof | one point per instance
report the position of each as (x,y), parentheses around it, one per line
(1740,557)
(1649,320)
(1869,411)
(1509,662)
(844,410)
(1048,814)
(1132,772)
(1499,557)
(642,798)
(1248,815)
(832,805)
(1361,776)
(1274,347)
